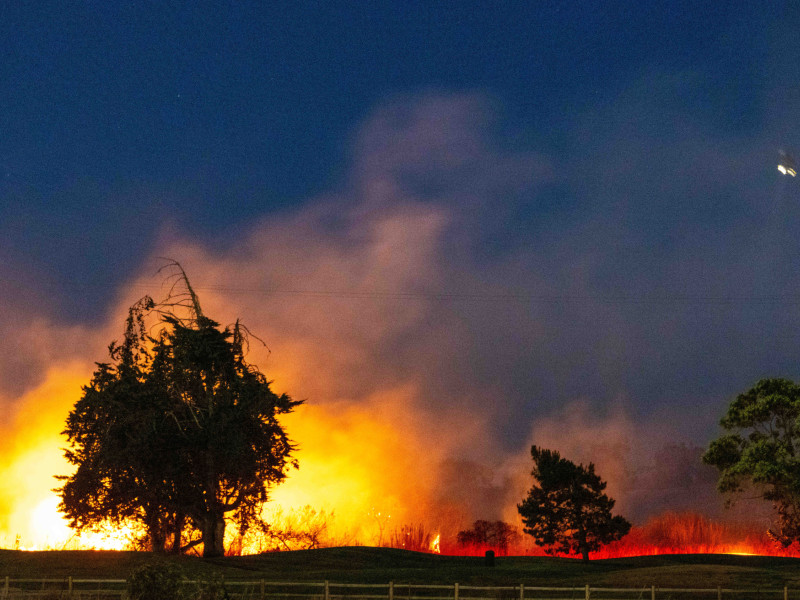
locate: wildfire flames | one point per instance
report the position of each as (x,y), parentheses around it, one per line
(366,474)
(363,479)
(670,533)
(372,455)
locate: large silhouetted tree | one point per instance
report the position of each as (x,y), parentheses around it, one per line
(119,441)
(177,430)
(761,451)
(567,510)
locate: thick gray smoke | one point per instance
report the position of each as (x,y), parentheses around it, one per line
(478,296)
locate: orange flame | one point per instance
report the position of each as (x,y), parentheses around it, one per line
(669,533)
(367,463)
(367,467)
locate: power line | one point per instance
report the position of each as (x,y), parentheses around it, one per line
(456,296)
(497,296)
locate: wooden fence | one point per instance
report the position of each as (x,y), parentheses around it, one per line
(109,589)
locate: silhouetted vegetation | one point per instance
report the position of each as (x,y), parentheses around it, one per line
(177,432)
(492,534)
(303,528)
(412,537)
(567,510)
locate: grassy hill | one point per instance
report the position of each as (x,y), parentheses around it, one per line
(381,565)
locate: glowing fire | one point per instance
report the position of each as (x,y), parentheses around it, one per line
(362,467)
(670,533)
(365,470)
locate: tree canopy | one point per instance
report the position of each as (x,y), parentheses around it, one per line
(176,431)
(495,534)
(567,510)
(760,450)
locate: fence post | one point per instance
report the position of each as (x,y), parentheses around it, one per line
(69,586)
(719,593)
(786,592)
(455,591)
(391,590)
(522,591)
(327,591)
(262,589)
(587,591)
(652,592)
(5,588)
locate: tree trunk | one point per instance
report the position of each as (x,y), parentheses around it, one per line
(177,530)
(155,532)
(213,536)
(157,539)
(582,544)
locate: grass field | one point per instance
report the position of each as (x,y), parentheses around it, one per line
(381,565)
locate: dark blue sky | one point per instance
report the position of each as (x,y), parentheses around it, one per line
(116,116)
(609,167)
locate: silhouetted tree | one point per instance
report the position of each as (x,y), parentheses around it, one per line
(567,510)
(123,444)
(495,534)
(178,430)
(761,450)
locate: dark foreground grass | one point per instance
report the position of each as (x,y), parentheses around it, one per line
(381,565)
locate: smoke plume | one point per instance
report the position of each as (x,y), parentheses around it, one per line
(448,305)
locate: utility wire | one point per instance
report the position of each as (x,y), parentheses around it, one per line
(664,299)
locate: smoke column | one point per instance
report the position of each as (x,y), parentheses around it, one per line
(440,312)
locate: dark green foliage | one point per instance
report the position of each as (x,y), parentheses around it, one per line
(211,586)
(567,510)
(760,450)
(178,431)
(157,581)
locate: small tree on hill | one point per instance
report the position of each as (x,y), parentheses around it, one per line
(567,510)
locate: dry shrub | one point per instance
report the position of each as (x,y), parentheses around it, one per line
(412,537)
(297,529)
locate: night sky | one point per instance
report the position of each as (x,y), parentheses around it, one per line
(535,213)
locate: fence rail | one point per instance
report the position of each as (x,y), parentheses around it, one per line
(261,589)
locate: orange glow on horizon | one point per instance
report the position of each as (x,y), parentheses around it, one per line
(669,533)
(367,469)
(370,472)
(32,446)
